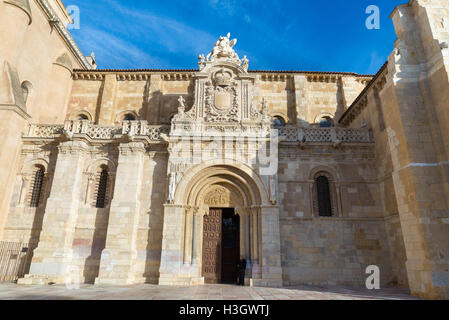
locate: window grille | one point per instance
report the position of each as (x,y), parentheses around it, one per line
(102,189)
(37,188)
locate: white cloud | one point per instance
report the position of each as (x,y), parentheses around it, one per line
(115,50)
(173,35)
(119,37)
(224,6)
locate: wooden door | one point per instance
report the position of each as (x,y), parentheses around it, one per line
(212,235)
(230,246)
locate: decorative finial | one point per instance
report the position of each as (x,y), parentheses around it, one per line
(201,61)
(245,63)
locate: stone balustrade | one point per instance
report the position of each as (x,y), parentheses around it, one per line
(142,129)
(325,135)
(96,132)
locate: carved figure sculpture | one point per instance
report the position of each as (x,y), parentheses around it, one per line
(223,49)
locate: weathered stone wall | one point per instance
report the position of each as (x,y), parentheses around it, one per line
(335,250)
(153,96)
(34,53)
(389,198)
(407,110)
(90,229)
(24,223)
(153,198)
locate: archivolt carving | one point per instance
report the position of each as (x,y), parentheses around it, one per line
(231,174)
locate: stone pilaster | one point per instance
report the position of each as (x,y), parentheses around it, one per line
(301,99)
(348,88)
(153,112)
(53,256)
(270,248)
(107,106)
(116,266)
(173,247)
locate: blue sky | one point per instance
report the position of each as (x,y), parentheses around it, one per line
(312,35)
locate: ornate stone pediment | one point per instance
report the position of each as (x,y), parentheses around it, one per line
(224,93)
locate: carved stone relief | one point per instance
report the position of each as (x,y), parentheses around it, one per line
(221,197)
(222,103)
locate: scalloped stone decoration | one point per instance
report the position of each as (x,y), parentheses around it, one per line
(24,5)
(64,61)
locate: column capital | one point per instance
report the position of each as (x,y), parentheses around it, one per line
(132,148)
(72,147)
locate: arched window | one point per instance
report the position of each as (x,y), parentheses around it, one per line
(323,196)
(326,122)
(36,193)
(129,117)
(278,122)
(102,189)
(82,117)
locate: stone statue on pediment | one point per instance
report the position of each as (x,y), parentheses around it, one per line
(201,61)
(224,49)
(182,105)
(245,64)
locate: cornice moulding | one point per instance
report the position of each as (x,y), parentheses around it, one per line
(17,109)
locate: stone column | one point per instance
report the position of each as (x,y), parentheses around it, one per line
(188,237)
(254,227)
(248,236)
(53,256)
(116,266)
(242,232)
(195,238)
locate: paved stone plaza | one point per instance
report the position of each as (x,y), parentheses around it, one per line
(208,292)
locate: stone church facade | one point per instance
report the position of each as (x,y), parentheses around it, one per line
(169,176)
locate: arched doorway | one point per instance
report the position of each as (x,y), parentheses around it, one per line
(221,246)
(223,240)
(226,190)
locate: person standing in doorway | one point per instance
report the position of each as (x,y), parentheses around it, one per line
(242,270)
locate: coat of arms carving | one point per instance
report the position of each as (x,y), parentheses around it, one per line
(222,100)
